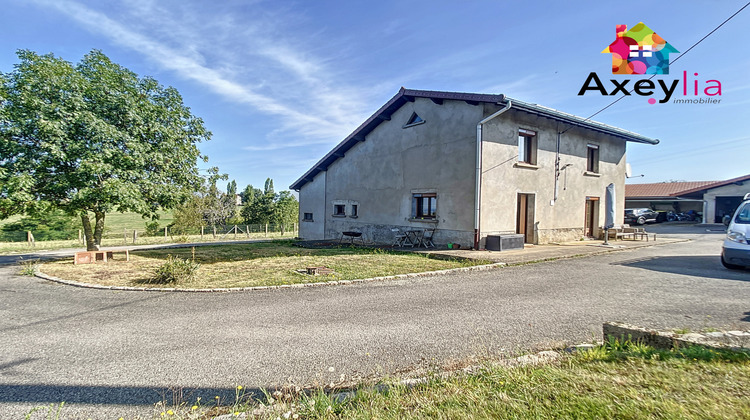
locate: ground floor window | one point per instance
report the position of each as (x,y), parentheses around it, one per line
(308,217)
(339,210)
(423,206)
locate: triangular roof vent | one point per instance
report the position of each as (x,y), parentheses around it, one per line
(413,120)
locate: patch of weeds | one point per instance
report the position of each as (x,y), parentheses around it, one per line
(53,412)
(682,331)
(175,270)
(710,329)
(615,350)
(28,267)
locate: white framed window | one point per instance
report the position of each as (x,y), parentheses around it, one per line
(592,158)
(527,145)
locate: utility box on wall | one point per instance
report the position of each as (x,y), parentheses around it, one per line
(504,242)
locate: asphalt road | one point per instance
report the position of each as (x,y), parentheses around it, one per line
(108,353)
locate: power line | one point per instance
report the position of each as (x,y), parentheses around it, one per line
(673,61)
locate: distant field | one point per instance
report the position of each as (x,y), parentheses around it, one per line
(116,222)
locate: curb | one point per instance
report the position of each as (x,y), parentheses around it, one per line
(484,267)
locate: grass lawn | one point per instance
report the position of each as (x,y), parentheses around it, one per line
(257,264)
(629,381)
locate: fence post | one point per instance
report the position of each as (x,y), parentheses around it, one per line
(247,231)
(80,237)
(282,229)
(235,232)
(266,230)
(125,236)
(135,236)
(201,233)
(165,232)
(30,238)
(214,232)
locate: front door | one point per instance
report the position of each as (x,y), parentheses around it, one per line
(592,215)
(525,217)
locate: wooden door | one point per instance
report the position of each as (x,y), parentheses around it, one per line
(525,217)
(592,215)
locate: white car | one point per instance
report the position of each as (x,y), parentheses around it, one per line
(735,252)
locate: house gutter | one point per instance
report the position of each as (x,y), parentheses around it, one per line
(478,186)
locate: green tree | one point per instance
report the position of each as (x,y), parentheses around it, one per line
(286,209)
(93,138)
(268,189)
(250,194)
(266,207)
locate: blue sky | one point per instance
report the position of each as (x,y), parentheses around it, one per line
(279,83)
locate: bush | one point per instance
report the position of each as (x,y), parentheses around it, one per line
(175,270)
(152,228)
(55,225)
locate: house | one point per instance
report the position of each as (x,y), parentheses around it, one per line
(470,165)
(714,199)
(639,51)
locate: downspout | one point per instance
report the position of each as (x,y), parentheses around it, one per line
(478,186)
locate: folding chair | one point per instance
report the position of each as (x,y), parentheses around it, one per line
(427,238)
(398,237)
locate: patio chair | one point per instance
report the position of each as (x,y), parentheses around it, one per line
(398,237)
(427,238)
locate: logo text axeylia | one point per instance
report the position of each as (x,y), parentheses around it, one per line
(642,51)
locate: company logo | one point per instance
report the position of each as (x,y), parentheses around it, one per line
(642,51)
(639,51)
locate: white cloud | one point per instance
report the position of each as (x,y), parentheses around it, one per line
(266,73)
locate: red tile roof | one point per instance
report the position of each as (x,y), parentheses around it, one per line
(739,179)
(664,189)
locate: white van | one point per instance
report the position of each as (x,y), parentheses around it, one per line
(735,253)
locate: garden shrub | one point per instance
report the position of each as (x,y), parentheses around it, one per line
(152,228)
(175,270)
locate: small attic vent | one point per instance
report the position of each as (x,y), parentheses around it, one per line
(414,120)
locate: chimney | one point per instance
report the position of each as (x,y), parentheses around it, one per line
(621,29)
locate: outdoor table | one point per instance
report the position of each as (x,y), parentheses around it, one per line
(414,237)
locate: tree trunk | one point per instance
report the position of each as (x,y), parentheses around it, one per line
(87,232)
(99,228)
(93,236)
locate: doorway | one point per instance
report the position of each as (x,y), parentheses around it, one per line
(592,216)
(525,217)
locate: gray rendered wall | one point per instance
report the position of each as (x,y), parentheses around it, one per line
(381,174)
(312,200)
(503,178)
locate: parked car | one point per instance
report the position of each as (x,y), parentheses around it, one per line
(735,252)
(640,216)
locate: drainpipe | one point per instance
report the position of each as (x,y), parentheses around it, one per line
(478,186)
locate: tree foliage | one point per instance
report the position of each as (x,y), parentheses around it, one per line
(52,225)
(208,206)
(93,138)
(263,207)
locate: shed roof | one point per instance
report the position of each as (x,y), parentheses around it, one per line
(662,189)
(408,95)
(739,180)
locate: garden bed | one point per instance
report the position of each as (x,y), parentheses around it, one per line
(256,264)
